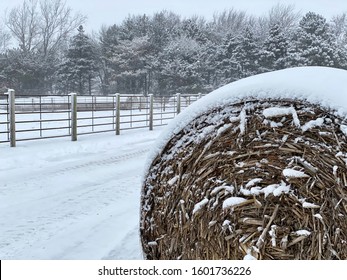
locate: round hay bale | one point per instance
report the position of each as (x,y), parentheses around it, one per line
(248,172)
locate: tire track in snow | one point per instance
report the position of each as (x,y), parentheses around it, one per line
(103,162)
(56,171)
(91,165)
(71,209)
(71,201)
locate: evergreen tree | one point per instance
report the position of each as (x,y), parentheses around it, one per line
(194,29)
(131,66)
(210,72)
(227,67)
(26,72)
(315,42)
(247,54)
(163,28)
(180,68)
(108,41)
(81,64)
(275,50)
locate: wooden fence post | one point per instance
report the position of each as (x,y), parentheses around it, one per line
(178,96)
(12,116)
(117,114)
(73,116)
(151,106)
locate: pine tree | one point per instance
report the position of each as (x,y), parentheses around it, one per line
(227,67)
(180,67)
(25,71)
(315,42)
(193,29)
(80,66)
(163,28)
(274,51)
(247,54)
(131,65)
(108,41)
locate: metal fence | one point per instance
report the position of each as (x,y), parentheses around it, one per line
(25,118)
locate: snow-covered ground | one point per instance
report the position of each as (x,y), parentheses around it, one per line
(80,200)
(73,200)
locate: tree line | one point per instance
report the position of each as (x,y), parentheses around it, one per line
(160,54)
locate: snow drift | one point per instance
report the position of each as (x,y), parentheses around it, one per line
(256,169)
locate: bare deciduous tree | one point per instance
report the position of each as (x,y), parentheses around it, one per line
(339,28)
(4,39)
(23,23)
(42,26)
(285,16)
(229,21)
(57,22)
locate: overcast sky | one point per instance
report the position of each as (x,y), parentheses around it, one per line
(108,12)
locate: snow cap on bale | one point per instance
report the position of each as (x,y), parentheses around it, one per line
(324,86)
(255,169)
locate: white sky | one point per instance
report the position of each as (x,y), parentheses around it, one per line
(108,12)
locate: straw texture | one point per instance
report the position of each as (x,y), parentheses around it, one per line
(262,179)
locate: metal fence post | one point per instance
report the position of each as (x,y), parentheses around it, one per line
(178,96)
(151,106)
(73,116)
(12,113)
(117,114)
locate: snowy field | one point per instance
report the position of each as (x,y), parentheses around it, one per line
(73,200)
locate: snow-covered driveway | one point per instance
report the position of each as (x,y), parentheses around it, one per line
(73,200)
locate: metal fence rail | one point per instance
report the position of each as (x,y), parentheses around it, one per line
(42,117)
(4,121)
(95,114)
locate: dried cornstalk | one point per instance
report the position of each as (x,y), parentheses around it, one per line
(309,213)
